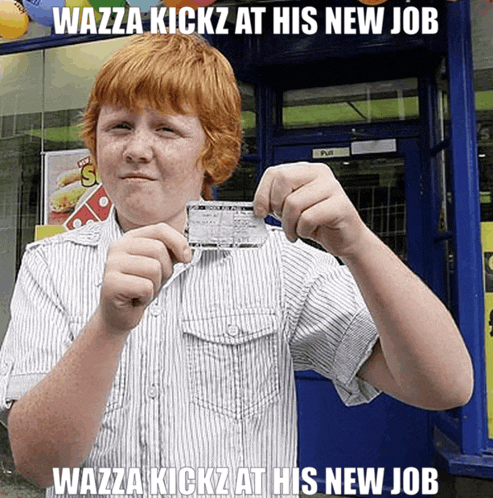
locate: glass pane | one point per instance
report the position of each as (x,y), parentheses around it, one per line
(249,117)
(34,30)
(361,103)
(440,163)
(69,75)
(485,151)
(442,131)
(20,161)
(442,122)
(376,188)
(241,186)
(445,114)
(484,115)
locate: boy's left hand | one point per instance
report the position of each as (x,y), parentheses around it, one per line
(311,204)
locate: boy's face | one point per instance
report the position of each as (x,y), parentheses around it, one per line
(148,164)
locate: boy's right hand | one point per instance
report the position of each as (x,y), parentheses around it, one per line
(137,266)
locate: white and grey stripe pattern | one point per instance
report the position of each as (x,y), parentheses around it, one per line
(206,380)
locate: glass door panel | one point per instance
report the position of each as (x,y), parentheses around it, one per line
(376,187)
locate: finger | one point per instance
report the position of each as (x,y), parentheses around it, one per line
(278,182)
(150,248)
(300,200)
(175,242)
(140,266)
(261,200)
(138,291)
(262,205)
(282,186)
(328,213)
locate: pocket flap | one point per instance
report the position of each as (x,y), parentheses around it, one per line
(233,328)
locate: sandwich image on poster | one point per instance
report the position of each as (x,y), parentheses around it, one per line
(73,195)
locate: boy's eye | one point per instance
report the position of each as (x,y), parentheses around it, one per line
(123,126)
(165,128)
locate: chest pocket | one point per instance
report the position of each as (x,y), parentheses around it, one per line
(233,361)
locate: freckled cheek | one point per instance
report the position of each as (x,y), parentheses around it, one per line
(192,174)
(104,168)
(108,161)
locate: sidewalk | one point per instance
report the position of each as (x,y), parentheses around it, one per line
(12,485)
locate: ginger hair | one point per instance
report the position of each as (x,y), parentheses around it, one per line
(178,74)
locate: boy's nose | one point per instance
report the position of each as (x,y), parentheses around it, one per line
(138,148)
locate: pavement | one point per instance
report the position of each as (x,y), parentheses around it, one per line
(15,486)
(12,484)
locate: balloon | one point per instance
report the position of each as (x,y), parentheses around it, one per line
(82,4)
(13,19)
(372,2)
(180,3)
(144,5)
(187,3)
(40,10)
(203,3)
(107,3)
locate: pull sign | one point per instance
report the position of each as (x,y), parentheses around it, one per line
(374,146)
(331,152)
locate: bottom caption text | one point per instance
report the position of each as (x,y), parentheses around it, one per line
(244,481)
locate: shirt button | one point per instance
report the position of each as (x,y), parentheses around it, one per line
(233,330)
(155,309)
(152,392)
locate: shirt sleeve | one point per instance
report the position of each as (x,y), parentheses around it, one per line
(38,333)
(331,329)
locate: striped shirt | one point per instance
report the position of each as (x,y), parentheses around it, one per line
(206,380)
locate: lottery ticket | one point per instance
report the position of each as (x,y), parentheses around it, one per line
(224,225)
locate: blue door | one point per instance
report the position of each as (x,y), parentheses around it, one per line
(385,433)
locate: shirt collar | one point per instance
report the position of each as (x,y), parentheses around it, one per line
(110,229)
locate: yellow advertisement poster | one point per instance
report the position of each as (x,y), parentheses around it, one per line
(487,241)
(73,195)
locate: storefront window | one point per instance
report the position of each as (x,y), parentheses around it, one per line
(481,18)
(442,123)
(20,163)
(249,117)
(347,104)
(241,186)
(484,116)
(69,74)
(375,186)
(485,157)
